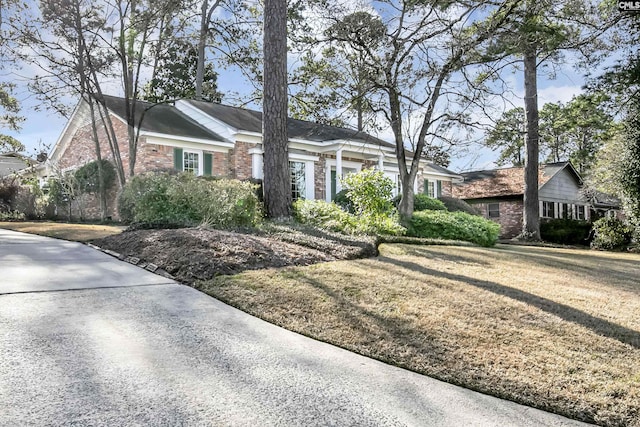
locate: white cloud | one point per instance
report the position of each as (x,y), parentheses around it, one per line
(552,94)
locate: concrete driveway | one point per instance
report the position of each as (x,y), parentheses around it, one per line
(89,340)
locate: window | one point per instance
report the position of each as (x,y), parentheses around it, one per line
(191,162)
(493,210)
(298,184)
(580,212)
(548,210)
(429,188)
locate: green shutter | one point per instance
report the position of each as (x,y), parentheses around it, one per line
(178,160)
(425,189)
(208,166)
(439,184)
(333,185)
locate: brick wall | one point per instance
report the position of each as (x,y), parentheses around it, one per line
(447,188)
(319,175)
(510,219)
(241,161)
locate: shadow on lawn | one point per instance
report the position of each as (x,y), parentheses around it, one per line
(385,328)
(570,314)
(623,271)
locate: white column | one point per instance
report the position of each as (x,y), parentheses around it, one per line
(310,180)
(256,165)
(381,162)
(338,170)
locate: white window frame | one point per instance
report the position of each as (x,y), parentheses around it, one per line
(200,154)
(309,172)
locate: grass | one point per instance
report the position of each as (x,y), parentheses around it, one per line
(59,230)
(557,329)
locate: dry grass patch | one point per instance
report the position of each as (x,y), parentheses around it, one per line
(75,232)
(551,328)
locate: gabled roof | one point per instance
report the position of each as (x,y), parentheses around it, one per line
(505,182)
(161,118)
(442,170)
(243,119)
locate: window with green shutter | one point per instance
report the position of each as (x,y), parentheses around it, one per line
(439,188)
(178,161)
(208,164)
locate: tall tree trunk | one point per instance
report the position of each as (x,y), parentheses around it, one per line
(531,209)
(102,191)
(277,177)
(205,20)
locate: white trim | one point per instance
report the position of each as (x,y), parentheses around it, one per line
(177,138)
(310,180)
(219,147)
(206,120)
(200,160)
(304,157)
(257,164)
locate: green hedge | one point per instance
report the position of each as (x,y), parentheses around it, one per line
(184,200)
(422,202)
(454,226)
(566,231)
(329,216)
(611,234)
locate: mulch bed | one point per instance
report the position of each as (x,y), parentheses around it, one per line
(192,254)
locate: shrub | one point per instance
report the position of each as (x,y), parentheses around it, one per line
(8,191)
(322,214)
(566,231)
(160,199)
(422,202)
(458,205)
(369,191)
(454,226)
(330,216)
(611,234)
(343,200)
(86,178)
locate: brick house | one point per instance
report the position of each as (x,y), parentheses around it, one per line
(214,139)
(498,195)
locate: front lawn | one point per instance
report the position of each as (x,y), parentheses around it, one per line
(66,231)
(556,329)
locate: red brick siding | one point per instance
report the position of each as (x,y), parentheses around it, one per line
(150,157)
(241,161)
(510,219)
(319,175)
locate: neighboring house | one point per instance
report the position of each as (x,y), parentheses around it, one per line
(498,195)
(13,162)
(213,139)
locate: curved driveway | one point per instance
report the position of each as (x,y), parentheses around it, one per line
(89,340)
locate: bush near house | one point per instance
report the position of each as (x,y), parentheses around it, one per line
(422,202)
(363,207)
(454,226)
(611,234)
(184,200)
(330,216)
(566,231)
